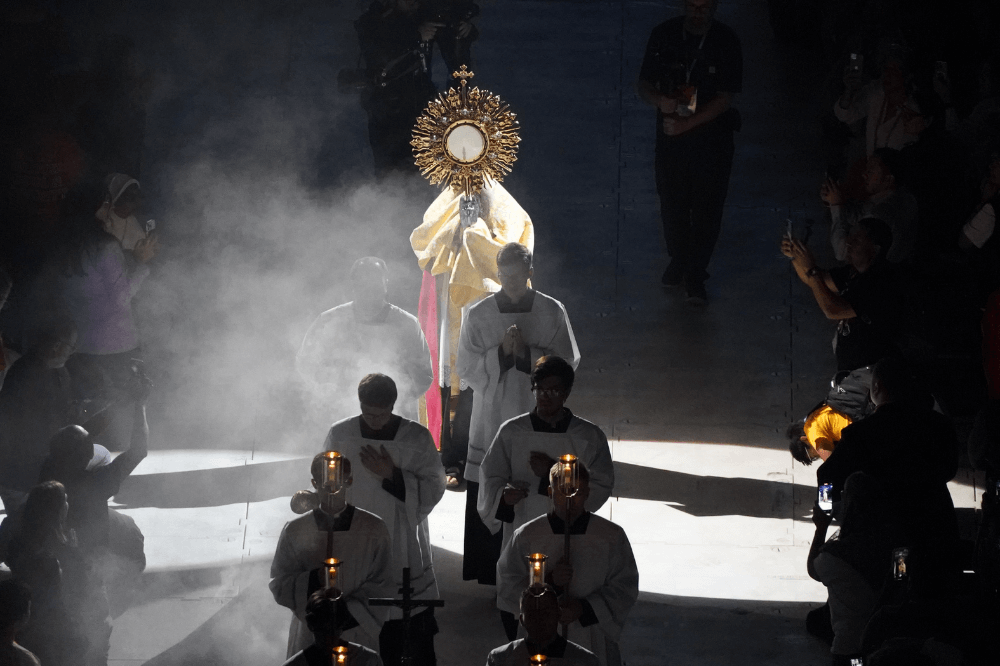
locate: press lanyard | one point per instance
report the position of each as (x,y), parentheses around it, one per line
(690,68)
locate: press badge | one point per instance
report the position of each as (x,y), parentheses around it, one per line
(687,101)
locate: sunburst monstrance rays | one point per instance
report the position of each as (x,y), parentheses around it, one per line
(464,136)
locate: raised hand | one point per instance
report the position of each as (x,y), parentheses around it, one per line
(378,462)
(513,494)
(146,248)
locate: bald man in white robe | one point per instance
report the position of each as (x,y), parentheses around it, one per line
(366,335)
(360,541)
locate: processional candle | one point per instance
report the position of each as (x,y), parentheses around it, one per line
(333,471)
(568,475)
(539,660)
(340,654)
(536,569)
(330,569)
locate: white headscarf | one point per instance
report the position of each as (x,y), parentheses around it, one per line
(117,183)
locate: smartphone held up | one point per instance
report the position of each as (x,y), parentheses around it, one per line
(825,498)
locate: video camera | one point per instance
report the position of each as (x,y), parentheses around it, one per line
(447,12)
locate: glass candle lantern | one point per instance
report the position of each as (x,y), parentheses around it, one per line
(330,569)
(536,569)
(539,660)
(568,475)
(340,654)
(333,471)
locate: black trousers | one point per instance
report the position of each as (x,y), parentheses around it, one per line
(692,179)
(482,549)
(455,434)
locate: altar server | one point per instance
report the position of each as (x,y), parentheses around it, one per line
(368,334)
(357,538)
(599,583)
(540,619)
(502,338)
(515,471)
(402,481)
(323,620)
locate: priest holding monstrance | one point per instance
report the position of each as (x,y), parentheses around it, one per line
(466,140)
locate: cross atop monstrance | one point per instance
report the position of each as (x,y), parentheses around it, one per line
(462,74)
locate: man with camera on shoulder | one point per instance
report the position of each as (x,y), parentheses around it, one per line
(397,40)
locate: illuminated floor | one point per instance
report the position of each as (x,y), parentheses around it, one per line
(732,541)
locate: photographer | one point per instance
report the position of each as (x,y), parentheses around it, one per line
(852,564)
(457,32)
(397,40)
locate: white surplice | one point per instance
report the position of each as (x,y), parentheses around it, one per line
(366,553)
(414,453)
(508,460)
(498,396)
(604,574)
(338,351)
(516,653)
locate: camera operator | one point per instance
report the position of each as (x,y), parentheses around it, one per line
(397,39)
(455,36)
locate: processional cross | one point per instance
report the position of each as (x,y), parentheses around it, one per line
(407,603)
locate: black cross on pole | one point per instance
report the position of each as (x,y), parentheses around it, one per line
(407,603)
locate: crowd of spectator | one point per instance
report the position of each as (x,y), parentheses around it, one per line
(912,165)
(72,384)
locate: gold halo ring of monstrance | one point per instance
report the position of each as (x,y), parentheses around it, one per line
(464,136)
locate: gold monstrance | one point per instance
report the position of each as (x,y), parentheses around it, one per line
(465,135)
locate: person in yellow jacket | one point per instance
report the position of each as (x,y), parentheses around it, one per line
(817,435)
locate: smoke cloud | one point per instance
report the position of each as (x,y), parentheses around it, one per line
(262,208)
